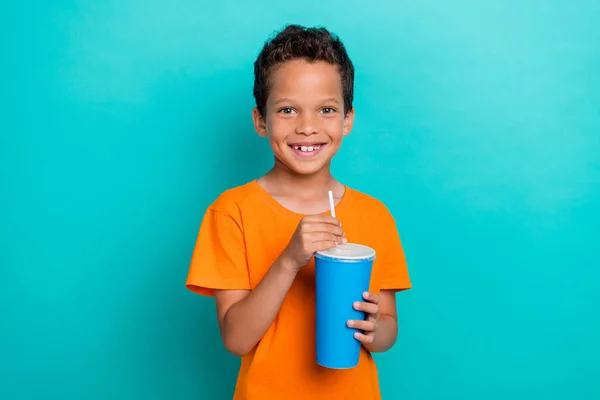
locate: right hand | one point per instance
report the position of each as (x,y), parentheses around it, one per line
(314,233)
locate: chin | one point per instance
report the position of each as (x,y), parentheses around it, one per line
(306,170)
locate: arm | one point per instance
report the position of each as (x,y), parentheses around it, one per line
(245,316)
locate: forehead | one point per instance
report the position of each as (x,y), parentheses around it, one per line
(303,79)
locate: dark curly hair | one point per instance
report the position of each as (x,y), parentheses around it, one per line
(310,44)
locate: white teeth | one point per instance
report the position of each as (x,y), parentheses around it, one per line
(307,148)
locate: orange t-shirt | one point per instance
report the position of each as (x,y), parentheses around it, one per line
(242,234)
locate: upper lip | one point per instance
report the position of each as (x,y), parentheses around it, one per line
(306,144)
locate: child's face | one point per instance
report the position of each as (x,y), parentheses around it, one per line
(304,117)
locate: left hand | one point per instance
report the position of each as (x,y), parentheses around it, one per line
(370,323)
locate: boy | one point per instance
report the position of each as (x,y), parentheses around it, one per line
(254,251)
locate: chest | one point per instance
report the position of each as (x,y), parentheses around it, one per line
(266,238)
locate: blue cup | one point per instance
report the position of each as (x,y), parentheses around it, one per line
(343,274)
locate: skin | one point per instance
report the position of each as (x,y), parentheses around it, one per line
(305,106)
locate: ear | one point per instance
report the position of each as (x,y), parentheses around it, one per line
(348,122)
(259,123)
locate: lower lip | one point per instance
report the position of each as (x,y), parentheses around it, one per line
(307,154)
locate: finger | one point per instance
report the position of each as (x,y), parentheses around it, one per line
(322,227)
(369,308)
(367,326)
(372,317)
(315,237)
(371,297)
(322,218)
(325,245)
(324,237)
(366,339)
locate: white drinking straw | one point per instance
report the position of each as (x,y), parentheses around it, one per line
(331,205)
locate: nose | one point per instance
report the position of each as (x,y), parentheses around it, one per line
(307,124)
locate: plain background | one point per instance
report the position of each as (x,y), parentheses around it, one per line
(477,123)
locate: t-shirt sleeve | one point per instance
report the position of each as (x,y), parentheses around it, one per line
(219,256)
(392,262)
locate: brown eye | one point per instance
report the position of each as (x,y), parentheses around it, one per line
(286,110)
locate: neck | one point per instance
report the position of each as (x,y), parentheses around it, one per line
(288,182)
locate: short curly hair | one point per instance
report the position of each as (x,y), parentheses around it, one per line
(310,44)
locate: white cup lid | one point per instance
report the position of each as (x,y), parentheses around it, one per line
(348,252)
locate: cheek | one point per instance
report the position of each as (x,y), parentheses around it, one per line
(334,126)
(278,128)
(277,131)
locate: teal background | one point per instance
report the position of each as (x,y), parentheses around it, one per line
(477,123)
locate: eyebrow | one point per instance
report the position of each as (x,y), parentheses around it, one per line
(283,100)
(287,100)
(331,99)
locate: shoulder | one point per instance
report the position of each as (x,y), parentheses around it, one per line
(230,201)
(369,204)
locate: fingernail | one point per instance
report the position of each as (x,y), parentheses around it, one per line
(366,294)
(344,240)
(356,335)
(357,304)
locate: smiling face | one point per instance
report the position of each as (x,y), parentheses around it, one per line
(304,116)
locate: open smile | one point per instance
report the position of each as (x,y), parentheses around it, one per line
(307,150)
